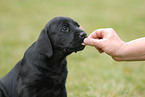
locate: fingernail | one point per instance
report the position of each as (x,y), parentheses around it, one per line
(83,43)
(86,41)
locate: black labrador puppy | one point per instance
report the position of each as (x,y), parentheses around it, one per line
(43,70)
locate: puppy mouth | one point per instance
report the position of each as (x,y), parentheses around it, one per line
(75,49)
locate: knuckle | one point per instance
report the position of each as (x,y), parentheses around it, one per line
(111,29)
(96,30)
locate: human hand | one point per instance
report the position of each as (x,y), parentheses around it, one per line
(105,40)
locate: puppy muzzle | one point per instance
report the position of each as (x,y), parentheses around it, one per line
(83,35)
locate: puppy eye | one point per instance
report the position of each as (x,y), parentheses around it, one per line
(65,28)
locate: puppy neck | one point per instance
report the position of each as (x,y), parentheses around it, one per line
(58,54)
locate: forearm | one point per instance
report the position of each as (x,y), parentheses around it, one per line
(133,50)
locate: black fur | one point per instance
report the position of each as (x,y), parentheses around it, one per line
(42,72)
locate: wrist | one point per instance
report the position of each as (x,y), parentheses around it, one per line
(133,50)
(123,53)
(120,52)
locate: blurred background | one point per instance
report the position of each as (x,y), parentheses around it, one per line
(90,74)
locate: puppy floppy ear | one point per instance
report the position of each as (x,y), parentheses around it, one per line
(43,44)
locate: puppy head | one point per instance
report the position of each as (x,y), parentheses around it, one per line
(62,33)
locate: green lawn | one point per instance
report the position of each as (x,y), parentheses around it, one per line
(90,74)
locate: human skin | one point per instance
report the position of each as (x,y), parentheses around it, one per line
(106,40)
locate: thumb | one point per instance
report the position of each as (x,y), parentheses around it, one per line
(93,42)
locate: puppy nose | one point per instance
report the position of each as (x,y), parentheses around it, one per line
(83,35)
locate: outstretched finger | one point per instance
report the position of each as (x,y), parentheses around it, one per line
(93,42)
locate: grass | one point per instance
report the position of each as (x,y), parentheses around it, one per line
(90,74)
